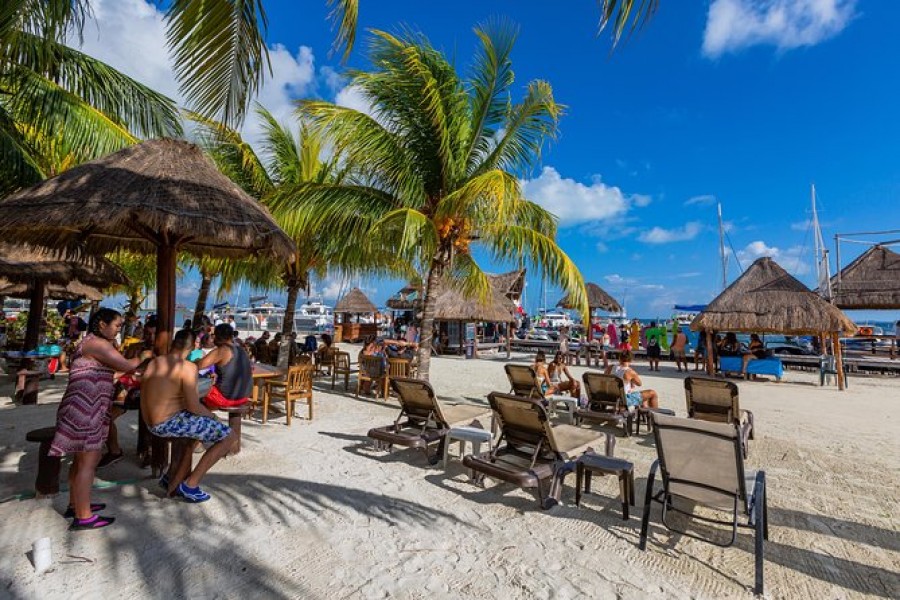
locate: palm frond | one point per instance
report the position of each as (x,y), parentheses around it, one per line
(625,14)
(20,166)
(491,78)
(527,128)
(408,232)
(281,150)
(344,16)
(514,242)
(488,197)
(220,55)
(471,280)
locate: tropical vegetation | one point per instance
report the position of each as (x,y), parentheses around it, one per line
(437,167)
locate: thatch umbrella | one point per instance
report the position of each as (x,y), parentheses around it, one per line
(766,299)
(35,273)
(872,281)
(355,302)
(161,196)
(597,299)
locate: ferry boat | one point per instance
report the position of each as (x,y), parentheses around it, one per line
(309,317)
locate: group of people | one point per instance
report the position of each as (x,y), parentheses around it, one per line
(170,405)
(383,348)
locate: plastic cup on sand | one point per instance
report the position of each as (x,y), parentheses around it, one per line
(42,553)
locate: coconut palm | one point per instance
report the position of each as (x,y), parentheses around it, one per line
(438,166)
(287,160)
(141,272)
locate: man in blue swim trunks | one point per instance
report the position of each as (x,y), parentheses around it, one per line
(171,408)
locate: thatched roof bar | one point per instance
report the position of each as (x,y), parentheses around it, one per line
(597,298)
(872,281)
(355,302)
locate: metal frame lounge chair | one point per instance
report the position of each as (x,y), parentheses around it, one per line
(718,401)
(423,419)
(702,463)
(530,452)
(524,382)
(606,401)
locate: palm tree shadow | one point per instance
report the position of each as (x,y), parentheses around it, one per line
(208,557)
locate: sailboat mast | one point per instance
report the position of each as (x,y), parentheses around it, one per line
(722,254)
(816,234)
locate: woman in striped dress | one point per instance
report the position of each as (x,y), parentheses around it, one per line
(82,421)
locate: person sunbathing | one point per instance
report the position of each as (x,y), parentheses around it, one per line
(556,370)
(171,409)
(634,397)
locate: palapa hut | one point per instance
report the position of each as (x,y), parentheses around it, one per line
(598,299)
(872,281)
(766,299)
(162,196)
(453,310)
(407,303)
(353,303)
(38,273)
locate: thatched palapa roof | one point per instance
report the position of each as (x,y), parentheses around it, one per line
(767,299)
(410,297)
(509,284)
(355,302)
(23,264)
(597,298)
(71,291)
(452,305)
(125,199)
(872,281)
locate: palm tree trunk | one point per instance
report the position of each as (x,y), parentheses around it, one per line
(432,290)
(135,299)
(202,296)
(290,307)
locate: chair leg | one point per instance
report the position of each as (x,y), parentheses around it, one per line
(288,407)
(648,500)
(265,403)
(309,401)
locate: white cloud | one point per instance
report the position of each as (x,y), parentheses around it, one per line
(574,202)
(801,225)
(790,259)
(130,35)
(733,25)
(353,97)
(702,200)
(658,235)
(602,247)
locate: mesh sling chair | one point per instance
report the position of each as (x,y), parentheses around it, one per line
(530,452)
(423,420)
(702,463)
(524,382)
(718,401)
(606,401)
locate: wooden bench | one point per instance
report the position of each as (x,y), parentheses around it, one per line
(47,481)
(27,386)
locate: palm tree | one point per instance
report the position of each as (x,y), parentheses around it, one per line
(438,167)
(141,272)
(58,106)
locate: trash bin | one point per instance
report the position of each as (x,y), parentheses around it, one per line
(470,348)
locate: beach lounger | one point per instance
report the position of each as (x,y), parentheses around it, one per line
(700,462)
(531,452)
(524,382)
(716,400)
(424,420)
(606,401)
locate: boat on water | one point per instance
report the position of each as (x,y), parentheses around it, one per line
(313,316)
(554,319)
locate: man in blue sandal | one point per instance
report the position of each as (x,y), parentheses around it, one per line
(171,408)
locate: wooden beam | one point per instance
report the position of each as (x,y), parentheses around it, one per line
(838,360)
(35,315)
(710,362)
(166,267)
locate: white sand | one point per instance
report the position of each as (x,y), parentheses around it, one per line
(311,511)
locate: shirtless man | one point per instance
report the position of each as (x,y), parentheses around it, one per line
(171,408)
(679,348)
(634,397)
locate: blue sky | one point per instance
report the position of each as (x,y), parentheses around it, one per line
(746,102)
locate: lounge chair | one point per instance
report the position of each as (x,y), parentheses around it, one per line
(297,385)
(524,382)
(700,462)
(531,453)
(606,401)
(716,400)
(423,419)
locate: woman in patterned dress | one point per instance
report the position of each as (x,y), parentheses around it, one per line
(82,421)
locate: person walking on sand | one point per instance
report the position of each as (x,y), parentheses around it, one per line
(82,420)
(171,408)
(679,348)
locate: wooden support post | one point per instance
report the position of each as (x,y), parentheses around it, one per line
(166,266)
(710,361)
(838,360)
(509,333)
(35,315)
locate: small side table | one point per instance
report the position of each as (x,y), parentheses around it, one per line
(473,435)
(643,415)
(567,403)
(606,465)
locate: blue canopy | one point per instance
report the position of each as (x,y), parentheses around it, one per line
(691,307)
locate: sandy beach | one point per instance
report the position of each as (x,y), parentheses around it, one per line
(312,511)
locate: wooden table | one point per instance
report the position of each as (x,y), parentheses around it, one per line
(261,373)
